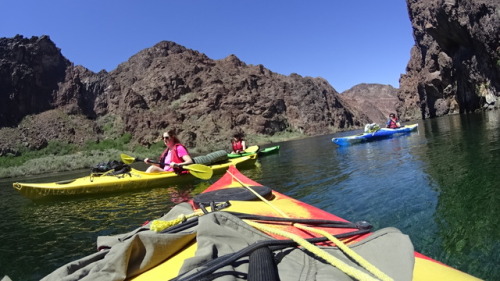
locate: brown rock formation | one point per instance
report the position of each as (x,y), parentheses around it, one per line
(30,70)
(455,63)
(374,100)
(165,86)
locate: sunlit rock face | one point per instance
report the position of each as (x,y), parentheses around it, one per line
(455,63)
(45,97)
(377,101)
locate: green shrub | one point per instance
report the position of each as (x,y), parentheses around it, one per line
(119,143)
(60,156)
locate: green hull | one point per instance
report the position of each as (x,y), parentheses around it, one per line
(269,150)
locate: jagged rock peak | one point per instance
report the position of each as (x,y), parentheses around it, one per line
(21,49)
(234,60)
(30,72)
(371,91)
(162,49)
(374,100)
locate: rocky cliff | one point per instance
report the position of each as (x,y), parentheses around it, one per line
(30,71)
(455,63)
(44,96)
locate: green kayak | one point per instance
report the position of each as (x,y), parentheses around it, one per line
(269,150)
(249,151)
(252,149)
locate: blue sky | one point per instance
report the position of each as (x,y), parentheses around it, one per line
(345,42)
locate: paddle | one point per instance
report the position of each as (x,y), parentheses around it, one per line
(198,170)
(252,149)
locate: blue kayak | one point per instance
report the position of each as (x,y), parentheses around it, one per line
(379,134)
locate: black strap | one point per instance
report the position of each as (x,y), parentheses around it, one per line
(262,266)
(274,245)
(363,225)
(315,222)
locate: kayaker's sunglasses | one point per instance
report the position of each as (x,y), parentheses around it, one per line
(166,137)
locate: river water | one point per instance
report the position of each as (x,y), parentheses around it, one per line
(440,185)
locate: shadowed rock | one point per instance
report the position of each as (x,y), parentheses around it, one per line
(455,63)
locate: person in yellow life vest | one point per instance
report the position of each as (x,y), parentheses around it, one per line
(173,157)
(238,145)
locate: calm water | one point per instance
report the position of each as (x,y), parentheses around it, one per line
(440,185)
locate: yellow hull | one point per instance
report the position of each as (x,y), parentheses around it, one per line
(133,180)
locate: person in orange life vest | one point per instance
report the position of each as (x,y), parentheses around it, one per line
(173,157)
(238,144)
(393,122)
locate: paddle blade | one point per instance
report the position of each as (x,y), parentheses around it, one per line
(200,171)
(252,149)
(127,159)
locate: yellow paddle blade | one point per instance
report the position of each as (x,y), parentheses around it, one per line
(200,171)
(252,149)
(127,159)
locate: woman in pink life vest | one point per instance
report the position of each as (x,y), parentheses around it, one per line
(238,144)
(173,157)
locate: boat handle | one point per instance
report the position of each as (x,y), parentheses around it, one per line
(17,186)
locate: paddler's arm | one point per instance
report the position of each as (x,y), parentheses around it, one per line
(187,160)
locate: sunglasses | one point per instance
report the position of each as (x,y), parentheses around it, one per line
(166,138)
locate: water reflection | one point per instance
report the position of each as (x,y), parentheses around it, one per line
(461,161)
(47,234)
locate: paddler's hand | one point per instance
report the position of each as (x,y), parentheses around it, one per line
(175,165)
(146,160)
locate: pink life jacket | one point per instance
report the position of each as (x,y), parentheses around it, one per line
(175,159)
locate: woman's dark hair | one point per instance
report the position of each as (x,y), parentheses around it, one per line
(172,138)
(238,135)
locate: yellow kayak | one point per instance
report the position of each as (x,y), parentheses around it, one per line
(238,229)
(134,179)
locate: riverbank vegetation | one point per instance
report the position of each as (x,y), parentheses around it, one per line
(59,156)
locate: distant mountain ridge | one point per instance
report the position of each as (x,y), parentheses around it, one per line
(374,100)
